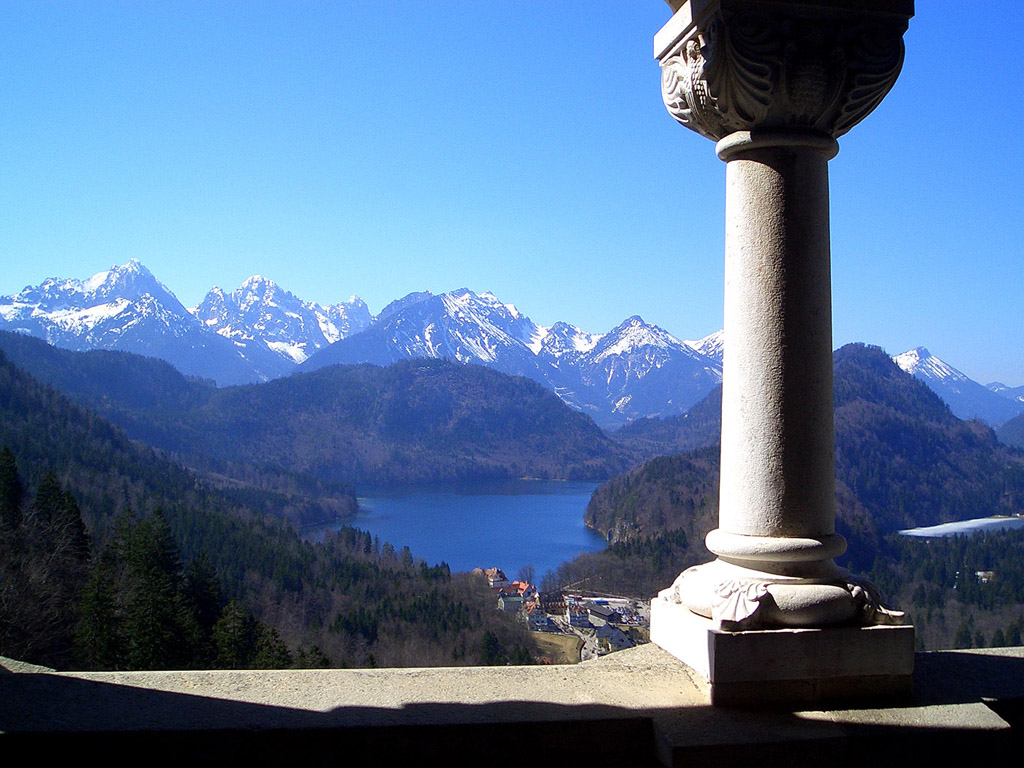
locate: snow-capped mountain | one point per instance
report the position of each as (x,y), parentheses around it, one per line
(563,342)
(634,370)
(712,345)
(399,304)
(260,331)
(261,315)
(966,398)
(459,325)
(637,370)
(125,308)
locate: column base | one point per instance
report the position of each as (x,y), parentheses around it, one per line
(738,597)
(787,665)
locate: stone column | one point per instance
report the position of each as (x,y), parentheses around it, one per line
(774,84)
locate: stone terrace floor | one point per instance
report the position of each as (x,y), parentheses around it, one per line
(637,707)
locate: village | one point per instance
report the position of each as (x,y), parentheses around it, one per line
(572,626)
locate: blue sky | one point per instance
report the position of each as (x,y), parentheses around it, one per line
(377,148)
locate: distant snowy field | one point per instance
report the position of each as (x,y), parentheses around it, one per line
(965,527)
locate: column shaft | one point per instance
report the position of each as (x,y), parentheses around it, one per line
(777,410)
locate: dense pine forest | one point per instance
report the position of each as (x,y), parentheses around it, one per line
(113,557)
(959,591)
(118,554)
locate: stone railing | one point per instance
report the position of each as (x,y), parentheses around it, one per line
(636,707)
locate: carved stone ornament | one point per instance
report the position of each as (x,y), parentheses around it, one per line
(768,69)
(737,604)
(870,607)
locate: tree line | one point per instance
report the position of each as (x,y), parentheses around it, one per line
(128,603)
(128,599)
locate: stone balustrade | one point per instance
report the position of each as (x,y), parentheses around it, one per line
(638,707)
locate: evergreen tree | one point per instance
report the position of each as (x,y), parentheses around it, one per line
(44,558)
(269,651)
(99,643)
(1013,638)
(233,636)
(491,651)
(203,592)
(160,631)
(49,498)
(69,536)
(964,637)
(12,492)
(311,658)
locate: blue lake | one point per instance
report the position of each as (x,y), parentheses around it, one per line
(482,524)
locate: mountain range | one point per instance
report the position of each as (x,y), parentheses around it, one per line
(634,370)
(260,332)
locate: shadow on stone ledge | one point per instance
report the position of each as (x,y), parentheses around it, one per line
(642,708)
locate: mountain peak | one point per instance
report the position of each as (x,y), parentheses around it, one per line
(967,398)
(117,272)
(712,345)
(257,281)
(919,361)
(132,282)
(638,331)
(398,305)
(132,269)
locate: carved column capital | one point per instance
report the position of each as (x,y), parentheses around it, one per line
(750,65)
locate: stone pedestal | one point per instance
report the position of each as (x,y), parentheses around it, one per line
(809,665)
(774,84)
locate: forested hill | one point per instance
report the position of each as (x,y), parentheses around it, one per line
(902,459)
(108,473)
(908,460)
(698,427)
(413,421)
(1012,432)
(233,586)
(115,382)
(146,398)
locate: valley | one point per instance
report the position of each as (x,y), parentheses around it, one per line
(457,388)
